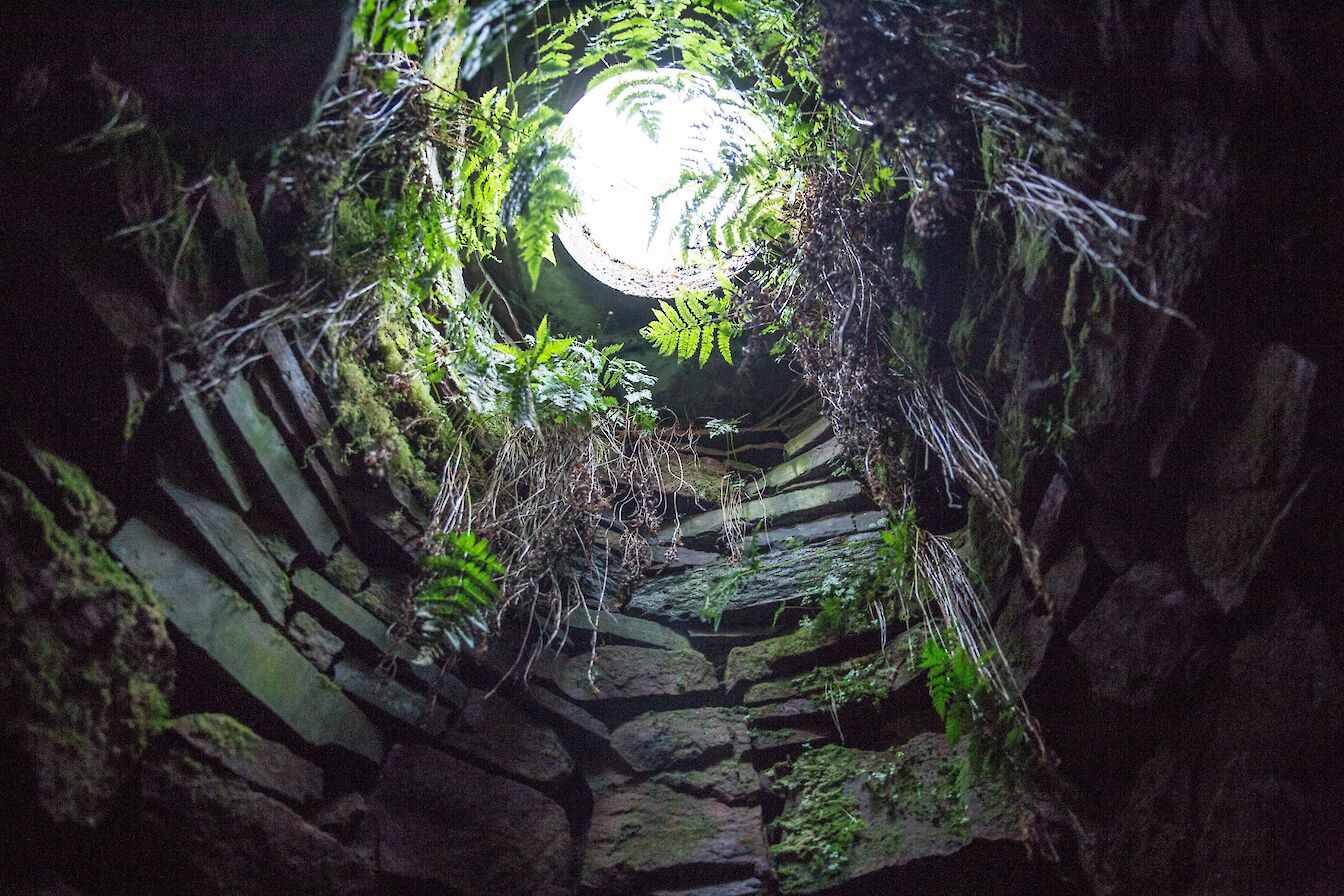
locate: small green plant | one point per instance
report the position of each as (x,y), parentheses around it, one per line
(853,602)
(694,325)
(722,592)
(452,608)
(970,708)
(823,820)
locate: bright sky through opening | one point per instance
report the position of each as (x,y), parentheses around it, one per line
(618,169)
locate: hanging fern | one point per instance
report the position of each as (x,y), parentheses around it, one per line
(970,708)
(694,324)
(453,608)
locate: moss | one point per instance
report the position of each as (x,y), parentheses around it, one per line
(231,736)
(92,512)
(84,659)
(821,819)
(939,800)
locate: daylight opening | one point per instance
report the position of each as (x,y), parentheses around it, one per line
(648,150)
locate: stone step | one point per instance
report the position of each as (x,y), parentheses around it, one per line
(808,437)
(647,835)
(753,595)
(500,737)
(660,741)
(785,508)
(923,824)
(645,677)
(238,548)
(391,698)
(618,628)
(216,619)
(814,463)
(798,651)
(280,471)
(445,826)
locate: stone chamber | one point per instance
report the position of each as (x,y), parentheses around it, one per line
(203,689)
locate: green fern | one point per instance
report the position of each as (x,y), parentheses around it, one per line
(961,694)
(452,609)
(693,325)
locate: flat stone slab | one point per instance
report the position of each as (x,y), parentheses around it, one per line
(813,463)
(925,824)
(503,738)
(784,508)
(679,738)
(451,827)
(315,642)
(391,697)
(648,835)
(355,622)
(263,764)
(781,577)
(624,674)
(800,650)
(731,781)
(238,548)
(217,620)
(620,628)
(281,470)
(225,470)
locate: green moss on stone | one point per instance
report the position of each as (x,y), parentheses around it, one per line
(231,736)
(821,819)
(84,659)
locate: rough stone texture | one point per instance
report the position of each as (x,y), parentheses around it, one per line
(85,665)
(823,529)
(225,471)
(788,654)
(813,463)
(649,835)
(1148,635)
(621,629)
(447,824)
(199,831)
(1250,476)
(391,697)
(782,577)
(264,765)
(238,549)
(1025,631)
(345,570)
(731,782)
(214,618)
(315,642)
(1225,801)
(354,622)
(752,887)
(280,469)
(933,830)
(503,738)
(657,741)
(782,509)
(626,674)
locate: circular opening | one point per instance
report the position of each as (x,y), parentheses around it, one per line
(644,143)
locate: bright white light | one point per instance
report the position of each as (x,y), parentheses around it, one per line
(618,169)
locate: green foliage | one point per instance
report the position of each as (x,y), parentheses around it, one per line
(694,325)
(722,592)
(867,681)
(850,602)
(822,822)
(461,589)
(970,707)
(546,380)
